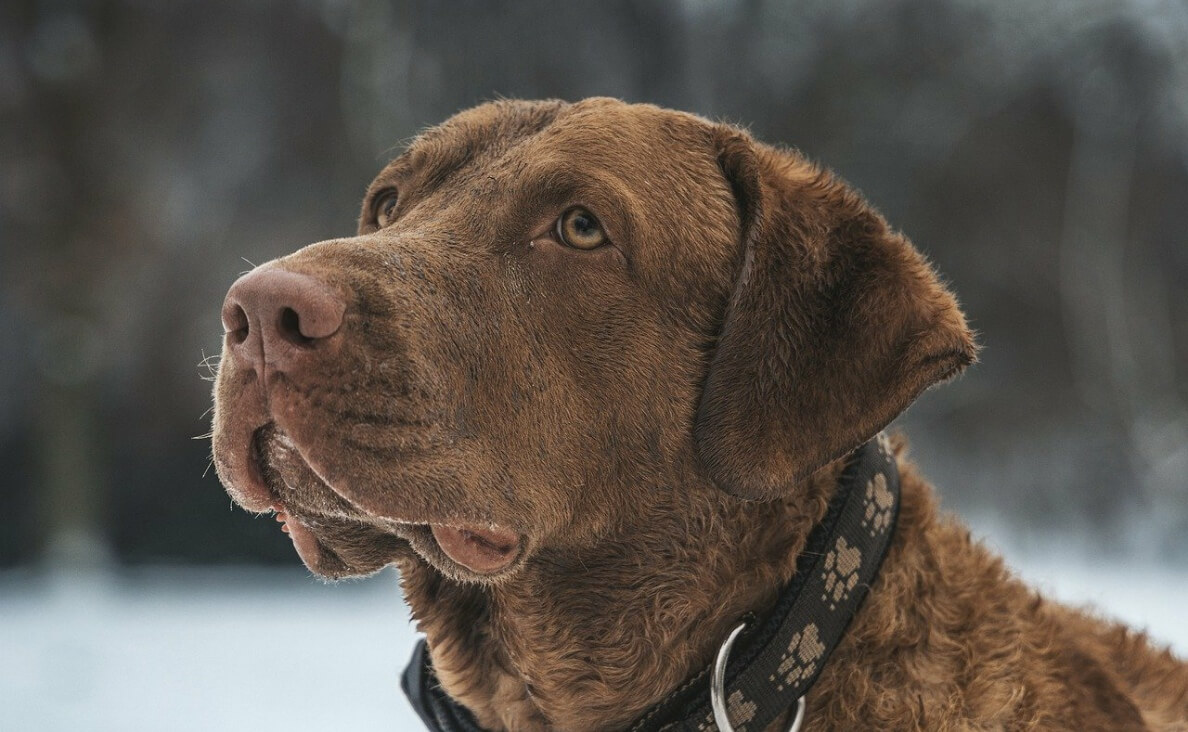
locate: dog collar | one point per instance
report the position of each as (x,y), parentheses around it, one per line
(766,664)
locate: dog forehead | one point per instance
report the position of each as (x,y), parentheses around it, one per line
(630,139)
(613,135)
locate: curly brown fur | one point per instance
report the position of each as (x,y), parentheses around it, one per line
(626,447)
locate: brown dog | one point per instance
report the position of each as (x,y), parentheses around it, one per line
(588,375)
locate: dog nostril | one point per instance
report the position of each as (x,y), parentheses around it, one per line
(289,327)
(235,323)
(275,318)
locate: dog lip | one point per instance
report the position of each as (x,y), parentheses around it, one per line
(244,475)
(481,549)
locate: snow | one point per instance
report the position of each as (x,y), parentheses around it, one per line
(188,649)
(198,650)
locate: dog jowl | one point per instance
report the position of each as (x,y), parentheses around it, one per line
(587,374)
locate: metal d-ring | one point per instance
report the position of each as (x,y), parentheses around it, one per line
(718,687)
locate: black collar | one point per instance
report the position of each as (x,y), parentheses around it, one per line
(777,658)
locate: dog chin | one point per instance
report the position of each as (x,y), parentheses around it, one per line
(470,556)
(320,559)
(336,549)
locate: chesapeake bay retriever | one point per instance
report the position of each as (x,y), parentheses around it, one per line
(587,375)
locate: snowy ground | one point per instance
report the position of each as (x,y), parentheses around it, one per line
(178,650)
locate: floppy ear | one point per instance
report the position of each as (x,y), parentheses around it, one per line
(835,325)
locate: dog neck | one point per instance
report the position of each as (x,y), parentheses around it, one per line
(502,653)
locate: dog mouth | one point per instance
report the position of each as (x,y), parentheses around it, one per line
(300,499)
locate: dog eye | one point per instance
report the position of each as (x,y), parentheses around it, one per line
(578,228)
(383,209)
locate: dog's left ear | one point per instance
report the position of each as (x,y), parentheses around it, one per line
(835,325)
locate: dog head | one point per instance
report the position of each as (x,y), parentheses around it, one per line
(552,309)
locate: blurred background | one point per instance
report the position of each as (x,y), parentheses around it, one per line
(150,152)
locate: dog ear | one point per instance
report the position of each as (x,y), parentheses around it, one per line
(835,325)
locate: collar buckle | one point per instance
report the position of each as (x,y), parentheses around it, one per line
(718,687)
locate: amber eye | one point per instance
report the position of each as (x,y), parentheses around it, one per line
(384,207)
(578,228)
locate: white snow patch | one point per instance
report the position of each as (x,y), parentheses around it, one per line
(202,650)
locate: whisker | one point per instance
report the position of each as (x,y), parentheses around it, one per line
(211,364)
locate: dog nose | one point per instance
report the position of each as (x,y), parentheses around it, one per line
(275,319)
